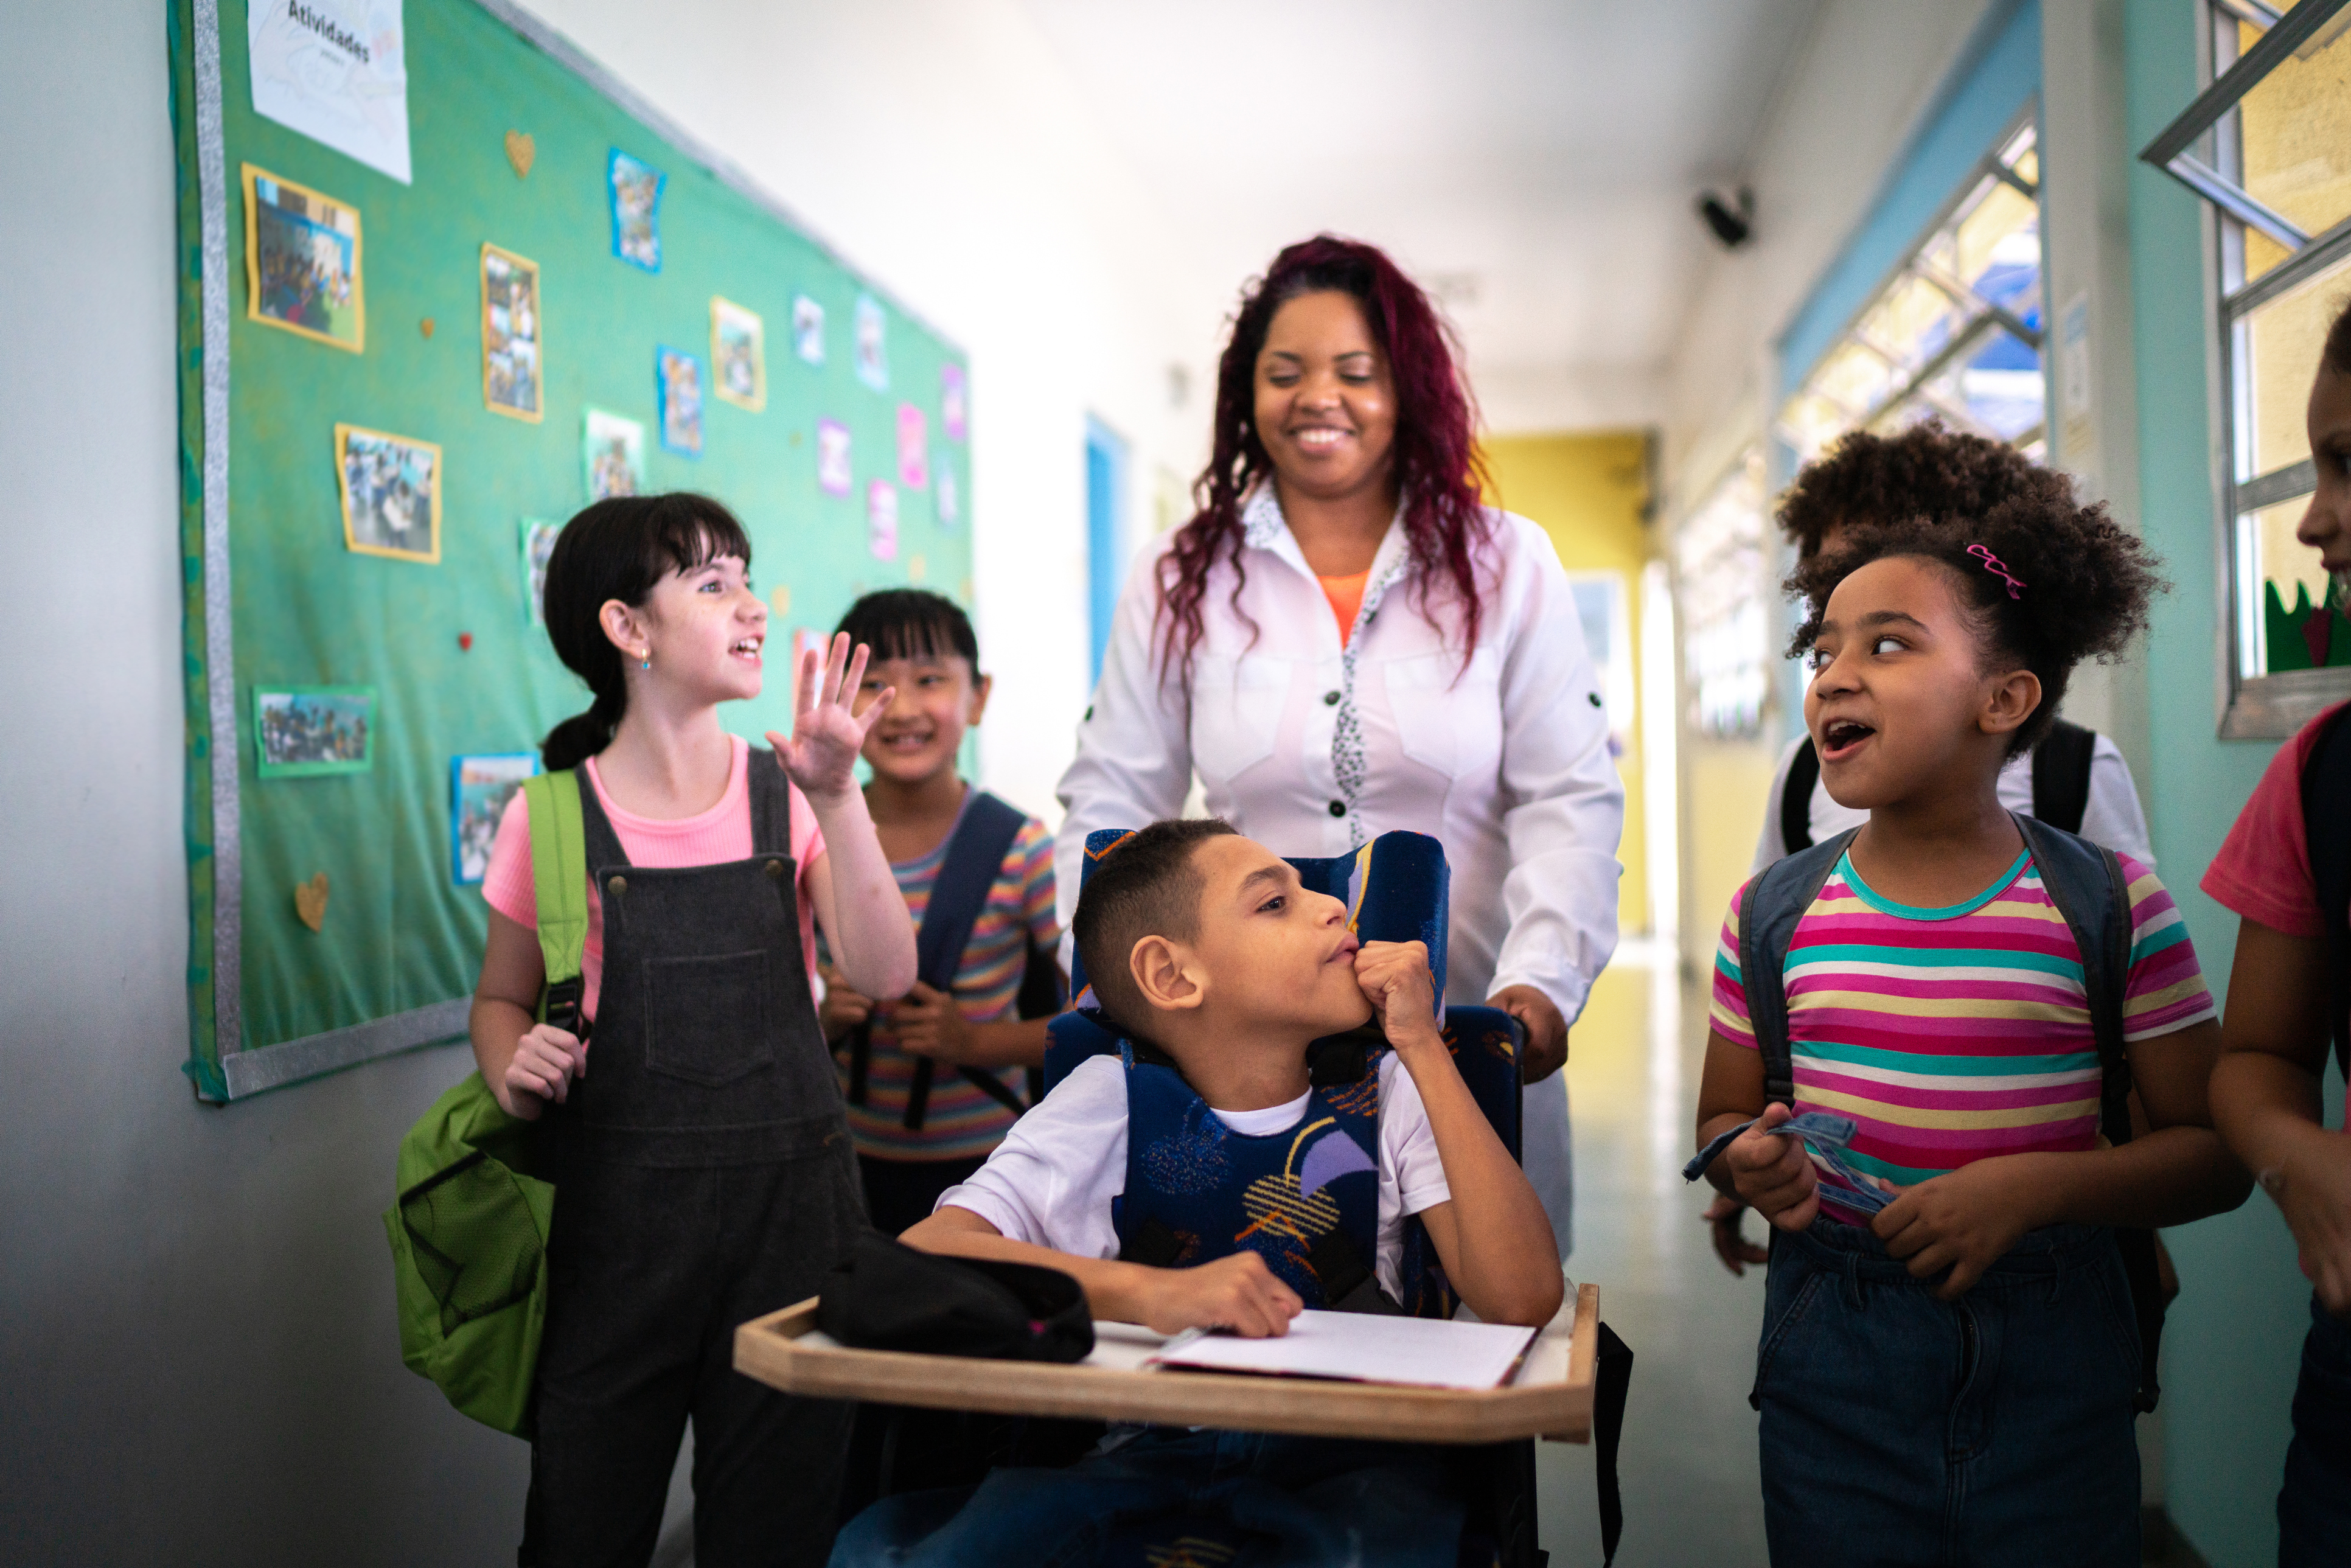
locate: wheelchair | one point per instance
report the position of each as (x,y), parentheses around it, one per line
(1396,889)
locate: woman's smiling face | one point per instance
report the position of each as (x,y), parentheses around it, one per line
(1325,396)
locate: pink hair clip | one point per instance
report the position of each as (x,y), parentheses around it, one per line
(1998,568)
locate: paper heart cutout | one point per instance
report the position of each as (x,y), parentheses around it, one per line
(521,150)
(465,642)
(310,902)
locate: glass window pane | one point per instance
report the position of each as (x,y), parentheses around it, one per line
(2022,156)
(1810,423)
(1997,251)
(1854,375)
(1724,607)
(2279,347)
(2294,135)
(2298,614)
(1996,388)
(1913,321)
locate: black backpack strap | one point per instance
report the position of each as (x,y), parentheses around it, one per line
(2326,822)
(1796,799)
(2086,883)
(2061,775)
(975,855)
(1775,899)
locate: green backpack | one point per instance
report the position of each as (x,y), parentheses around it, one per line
(469,1229)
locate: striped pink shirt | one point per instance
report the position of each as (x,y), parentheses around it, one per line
(1949,1035)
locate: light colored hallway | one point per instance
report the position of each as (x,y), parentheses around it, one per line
(1687,1464)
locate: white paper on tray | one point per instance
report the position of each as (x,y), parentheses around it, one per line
(1359,1347)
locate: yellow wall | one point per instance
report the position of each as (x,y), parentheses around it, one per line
(1724,786)
(1588,492)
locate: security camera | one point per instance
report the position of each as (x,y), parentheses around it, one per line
(1732,224)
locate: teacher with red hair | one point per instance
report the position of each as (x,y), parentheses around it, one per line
(1345,640)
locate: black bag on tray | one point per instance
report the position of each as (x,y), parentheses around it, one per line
(890,1296)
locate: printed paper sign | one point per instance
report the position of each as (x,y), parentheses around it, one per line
(833,472)
(949,501)
(881,519)
(955,404)
(807,330)
(873,358)
(337,71)
(913,448)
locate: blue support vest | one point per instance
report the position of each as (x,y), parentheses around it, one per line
(1305,1199)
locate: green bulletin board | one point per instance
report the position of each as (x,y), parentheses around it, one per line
(443,654)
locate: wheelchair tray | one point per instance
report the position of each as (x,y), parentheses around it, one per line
(1549,1397)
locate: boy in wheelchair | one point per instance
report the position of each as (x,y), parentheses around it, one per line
(1201,1178)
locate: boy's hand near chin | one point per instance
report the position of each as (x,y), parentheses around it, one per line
(1395,980)
(1238,1293)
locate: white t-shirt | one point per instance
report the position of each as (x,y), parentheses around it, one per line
(1052,1180)
(2111,816)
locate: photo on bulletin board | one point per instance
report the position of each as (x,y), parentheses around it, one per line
(512,376)
(738,354)
(392,494)
(302,262)
(479,788)
(614,452)
(537,544)
(913,448)
(677,377)
(873,353)
(948,501)
(833,475)
(955,403)
(636,211)
(807,330)
(881,519)
(300,732)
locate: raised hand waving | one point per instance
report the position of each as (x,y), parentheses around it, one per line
(826,736)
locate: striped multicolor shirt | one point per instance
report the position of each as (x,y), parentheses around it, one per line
(1949,1035)
(961,1122)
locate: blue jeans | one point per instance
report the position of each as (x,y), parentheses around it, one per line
(1995,1429)
(1264,1500)
(2315,1507)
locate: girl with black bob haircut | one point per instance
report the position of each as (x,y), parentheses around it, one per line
(1905,1077)
(703,1171)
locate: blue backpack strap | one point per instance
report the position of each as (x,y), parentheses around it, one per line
(975,855)
(2086,881)
(2326,822)
(1775,899)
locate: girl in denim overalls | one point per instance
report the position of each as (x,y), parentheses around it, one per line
(703,1170)
(1950,1359)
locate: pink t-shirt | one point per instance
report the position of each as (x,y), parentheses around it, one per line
(715,837)
(2263,871)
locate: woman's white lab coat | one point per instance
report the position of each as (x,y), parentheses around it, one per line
(1313,750)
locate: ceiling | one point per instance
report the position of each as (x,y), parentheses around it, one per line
(1535,160)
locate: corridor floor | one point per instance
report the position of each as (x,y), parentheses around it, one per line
(1687,1464)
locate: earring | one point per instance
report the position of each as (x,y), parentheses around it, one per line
(646,660)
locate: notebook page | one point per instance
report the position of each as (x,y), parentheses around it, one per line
(1420,1353)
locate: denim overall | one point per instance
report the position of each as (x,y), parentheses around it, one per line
(1306,1201)
(705,1177)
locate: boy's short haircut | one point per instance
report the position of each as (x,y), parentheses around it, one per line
(912,624)
(1146,885)
(1868,480)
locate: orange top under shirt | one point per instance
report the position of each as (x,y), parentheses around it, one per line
(1347,597)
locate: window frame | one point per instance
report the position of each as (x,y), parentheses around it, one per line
(1991,317)
(2250,706)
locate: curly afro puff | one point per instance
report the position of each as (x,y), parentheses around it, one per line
(2083,582)
(1925,470)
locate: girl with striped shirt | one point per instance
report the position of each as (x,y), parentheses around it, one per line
(1949,1353)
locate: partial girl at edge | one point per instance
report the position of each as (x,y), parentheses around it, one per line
(695,1136)
(1949,1358)
(2285,989)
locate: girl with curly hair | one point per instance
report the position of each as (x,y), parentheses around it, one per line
(1924,1033)
(1345,640)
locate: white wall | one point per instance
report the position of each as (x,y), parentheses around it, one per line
(940,146)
